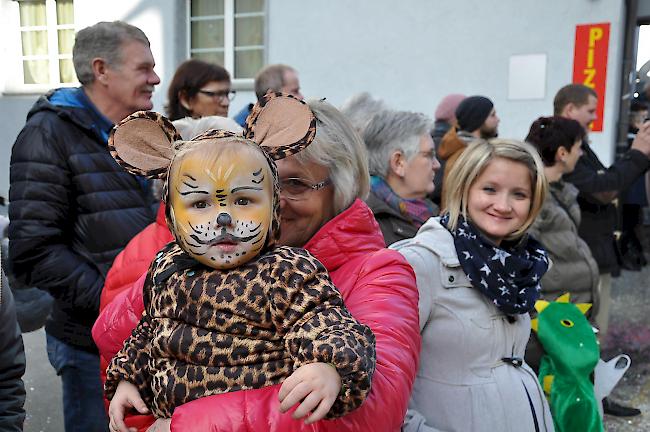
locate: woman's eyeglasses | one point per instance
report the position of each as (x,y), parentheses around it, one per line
(296,189)
(431,154)
(225,94)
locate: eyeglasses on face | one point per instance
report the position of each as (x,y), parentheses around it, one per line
(431,154)
(296,189)
(224,94)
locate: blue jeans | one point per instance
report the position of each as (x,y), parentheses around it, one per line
(83,405)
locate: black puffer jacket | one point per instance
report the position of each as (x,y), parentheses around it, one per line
(72,210)
(599,219)
(12,365)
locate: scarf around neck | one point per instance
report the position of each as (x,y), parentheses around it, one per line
(417,211)
(508,275)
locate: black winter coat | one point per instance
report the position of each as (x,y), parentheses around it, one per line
(394,226)
(12,364)
(72,210)
(599,220)
(440,128)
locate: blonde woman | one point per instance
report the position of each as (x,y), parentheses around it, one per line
(478,276)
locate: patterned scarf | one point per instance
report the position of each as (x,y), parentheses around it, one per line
(508,274)
(417,211)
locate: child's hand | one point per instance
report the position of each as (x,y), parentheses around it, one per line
(317,385)
(126,396)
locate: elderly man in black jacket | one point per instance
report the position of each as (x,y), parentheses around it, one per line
(73,209)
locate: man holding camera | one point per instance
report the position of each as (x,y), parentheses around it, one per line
(599,187)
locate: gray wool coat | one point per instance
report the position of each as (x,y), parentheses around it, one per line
(574,269)
(462,383)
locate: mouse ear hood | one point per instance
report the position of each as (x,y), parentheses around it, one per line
(143,144)
(281,124)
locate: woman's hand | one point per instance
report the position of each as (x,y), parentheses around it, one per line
(126,397)
(161,425)
(317,385)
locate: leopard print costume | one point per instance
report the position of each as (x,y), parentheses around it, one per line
(206,331)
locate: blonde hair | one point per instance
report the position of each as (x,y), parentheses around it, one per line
(471,164)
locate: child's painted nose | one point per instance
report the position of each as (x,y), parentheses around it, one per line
(224,219)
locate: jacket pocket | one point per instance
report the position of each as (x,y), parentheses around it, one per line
(453,277)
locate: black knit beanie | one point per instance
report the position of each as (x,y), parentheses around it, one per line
(472,112)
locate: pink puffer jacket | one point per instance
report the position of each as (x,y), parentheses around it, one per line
(378,287)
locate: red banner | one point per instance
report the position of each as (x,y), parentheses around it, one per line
(590,63)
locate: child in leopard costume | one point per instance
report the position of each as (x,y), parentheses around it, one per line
(227,309)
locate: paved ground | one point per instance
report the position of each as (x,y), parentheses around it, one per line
(43,406)
(629,333)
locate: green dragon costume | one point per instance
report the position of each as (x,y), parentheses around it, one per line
(571,354)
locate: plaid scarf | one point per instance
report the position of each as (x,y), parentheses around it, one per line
(417,211)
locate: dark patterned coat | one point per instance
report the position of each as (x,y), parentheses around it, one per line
(599,220)
(12,364)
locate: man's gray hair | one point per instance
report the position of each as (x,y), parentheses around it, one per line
(391,131)
(361,108)
(270,78)
(338,147)
(104,40)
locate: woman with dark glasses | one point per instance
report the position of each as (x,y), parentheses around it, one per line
(199,89)
(402,163)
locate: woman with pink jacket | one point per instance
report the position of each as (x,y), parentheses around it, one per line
(322,211)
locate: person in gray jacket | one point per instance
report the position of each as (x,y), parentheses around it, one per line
(478,277)
(12,363)
(559,143)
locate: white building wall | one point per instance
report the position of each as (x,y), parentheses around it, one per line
(413,53)
(160,20)
(410,53)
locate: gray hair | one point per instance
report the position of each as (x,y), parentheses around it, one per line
(361,108)
(391,131)
(104,40)
(270,78)
(338,147)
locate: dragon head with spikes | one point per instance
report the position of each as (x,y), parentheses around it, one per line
(566,334)
(571,354)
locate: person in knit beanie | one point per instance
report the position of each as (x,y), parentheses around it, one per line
(476,115)
(446,109)
(445,119)
(476,118)
(445,116)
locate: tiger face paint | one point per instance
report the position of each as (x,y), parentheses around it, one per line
(221,197)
